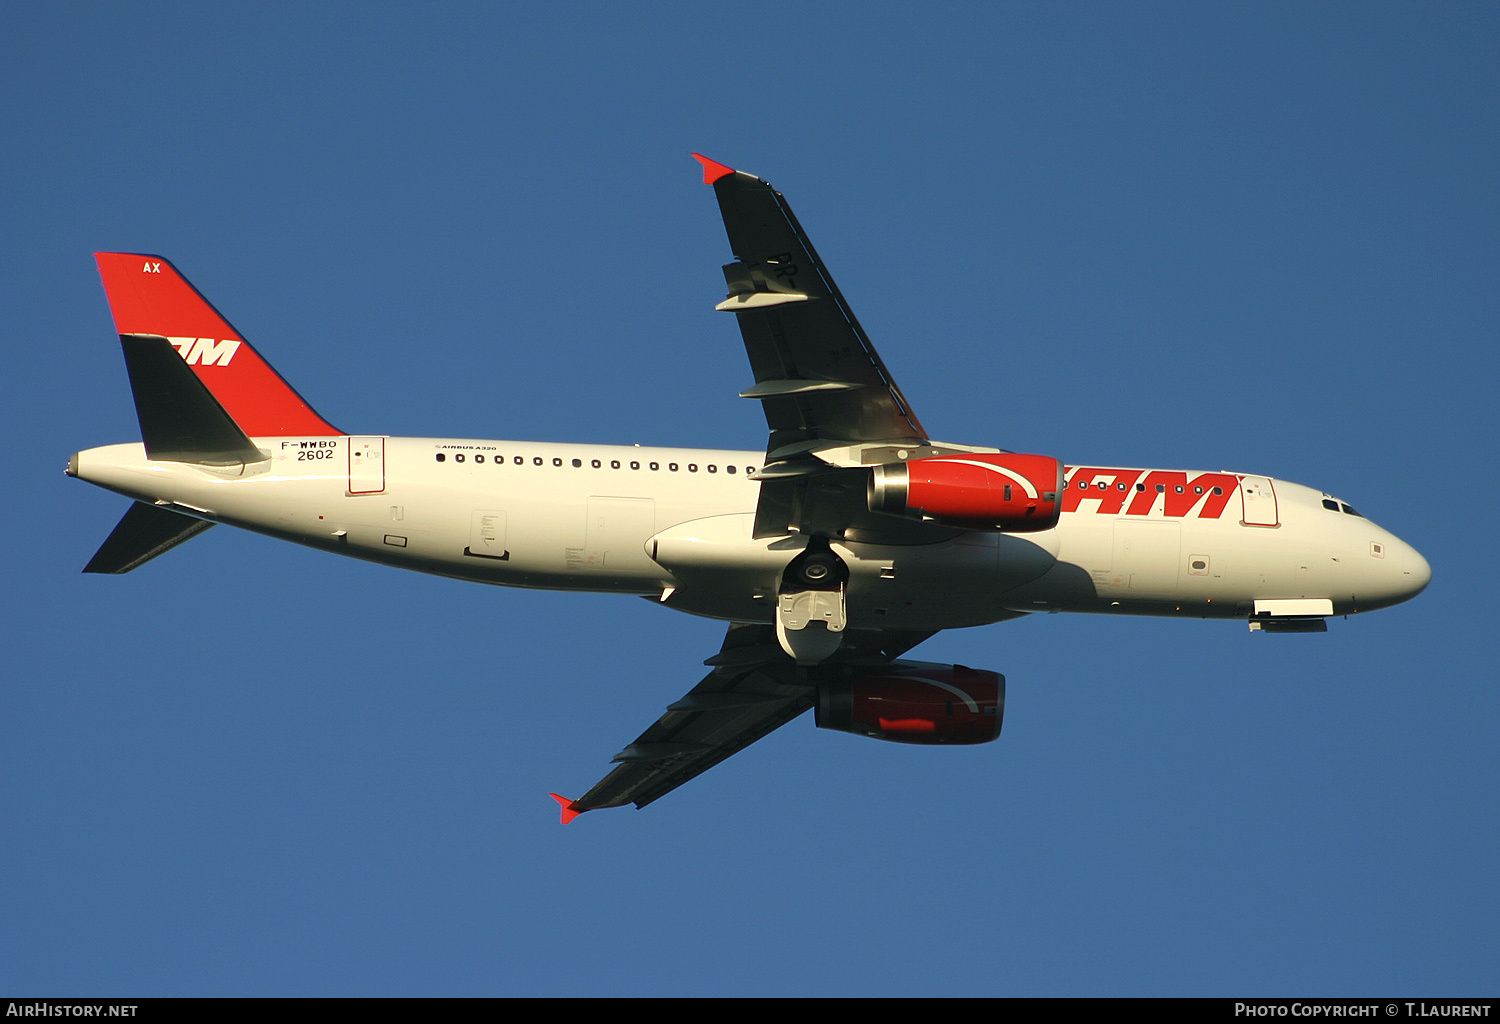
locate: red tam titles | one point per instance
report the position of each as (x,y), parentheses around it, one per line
(1170,493)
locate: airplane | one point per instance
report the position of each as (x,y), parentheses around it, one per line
(852,538)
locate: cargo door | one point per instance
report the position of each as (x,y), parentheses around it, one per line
(366,465)
(1146,556)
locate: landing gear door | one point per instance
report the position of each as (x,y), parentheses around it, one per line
(366,465)
(1260,501)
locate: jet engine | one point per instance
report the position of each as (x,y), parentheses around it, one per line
(916,702)
(1009,492)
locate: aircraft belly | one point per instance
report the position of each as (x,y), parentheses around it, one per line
(720,572)
(931,586)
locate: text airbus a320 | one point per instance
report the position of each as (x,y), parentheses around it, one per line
(852,538)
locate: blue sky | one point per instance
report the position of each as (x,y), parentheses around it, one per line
(1259,237)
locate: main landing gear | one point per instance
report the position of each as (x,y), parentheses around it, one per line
(810,616)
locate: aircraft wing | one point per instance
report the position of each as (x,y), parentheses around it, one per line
(816,373)
(754,689)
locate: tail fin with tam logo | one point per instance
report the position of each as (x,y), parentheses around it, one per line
(149,297)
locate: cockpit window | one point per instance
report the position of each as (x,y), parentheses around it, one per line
(1330,504)
(1348,511)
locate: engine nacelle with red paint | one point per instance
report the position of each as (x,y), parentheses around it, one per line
(1014,493)
(916,702)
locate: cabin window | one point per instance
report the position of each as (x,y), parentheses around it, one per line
(692,467)
(635,465)
(655,466)
(729,469)
(1120,486)
(594,463)
(1197,490)
(458,458)
(479,458)
(672,466)
(713,469)
(614,463)
(443,458)
(557,462)
(537,460)
(1161,488)
(1140,487)
(1180,489)
(577,463)
(1218,490)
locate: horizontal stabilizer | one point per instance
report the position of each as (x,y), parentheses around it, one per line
(145,532)
(181,421)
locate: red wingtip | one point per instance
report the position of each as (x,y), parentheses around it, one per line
(712,170)
(569,812)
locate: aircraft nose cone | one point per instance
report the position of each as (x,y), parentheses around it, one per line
(1418,572)
(1395,572)
(1406,573)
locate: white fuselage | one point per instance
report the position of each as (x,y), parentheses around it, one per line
(676,523)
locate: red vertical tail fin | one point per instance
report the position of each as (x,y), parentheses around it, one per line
(148,296)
